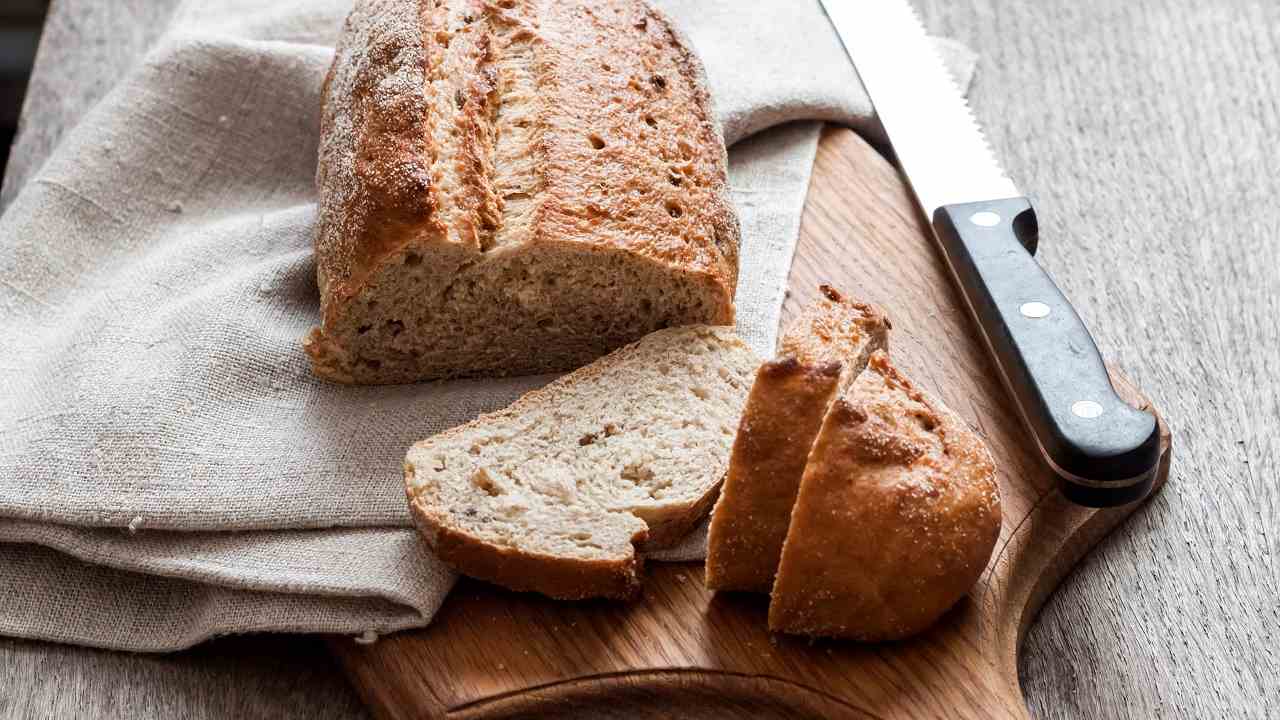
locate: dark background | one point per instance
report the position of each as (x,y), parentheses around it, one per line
(20,22)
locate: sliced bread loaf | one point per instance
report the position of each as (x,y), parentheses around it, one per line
(826,346)
(513,187)
(896,517)
(555,493)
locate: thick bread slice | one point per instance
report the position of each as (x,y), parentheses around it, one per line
(513,187)
(555,493)
(826,346)
(897,514)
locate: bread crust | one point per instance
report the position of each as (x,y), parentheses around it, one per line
(678,523)
(837,329)
(616,151)
(896,517)
(784,411)
(514,569)
(822,349)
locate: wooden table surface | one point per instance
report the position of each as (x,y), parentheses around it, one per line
(1147,131)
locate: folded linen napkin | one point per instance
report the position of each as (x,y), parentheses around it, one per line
(169,469)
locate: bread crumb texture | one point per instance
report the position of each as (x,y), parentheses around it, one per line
(513,187)
(555,492)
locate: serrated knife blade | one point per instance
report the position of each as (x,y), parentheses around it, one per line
(938,143)
(1103,451)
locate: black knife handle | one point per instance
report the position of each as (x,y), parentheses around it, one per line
(1104,451)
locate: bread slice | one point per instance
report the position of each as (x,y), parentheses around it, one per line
(513,187)
(896,517)
(555,493)
(826,346)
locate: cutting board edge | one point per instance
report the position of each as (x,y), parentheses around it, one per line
(581,694)
(1085,537)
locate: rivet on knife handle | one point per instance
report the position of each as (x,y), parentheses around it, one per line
(1104,451)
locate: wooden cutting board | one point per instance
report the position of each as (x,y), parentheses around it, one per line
(681,651)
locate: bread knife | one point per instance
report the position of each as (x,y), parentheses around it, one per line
(1103,451)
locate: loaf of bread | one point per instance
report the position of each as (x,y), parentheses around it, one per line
(897,515)
(828,344)
(555,493)
(512,187)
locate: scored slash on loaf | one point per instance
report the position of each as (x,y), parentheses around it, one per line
(512,188)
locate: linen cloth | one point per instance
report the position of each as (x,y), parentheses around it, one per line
(169,469)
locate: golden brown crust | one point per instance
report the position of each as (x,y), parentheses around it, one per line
(825,346)
(897,514)
(374,170)
(826,328)
(784,411)
(619,150)
(556,577)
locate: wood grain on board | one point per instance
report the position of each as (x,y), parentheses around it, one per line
(681,649)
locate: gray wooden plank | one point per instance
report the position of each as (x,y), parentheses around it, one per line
(244,677)
(1146,130)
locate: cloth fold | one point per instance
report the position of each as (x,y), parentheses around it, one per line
(169,469)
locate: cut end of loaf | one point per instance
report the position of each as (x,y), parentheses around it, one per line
(433,314)
(557,492)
